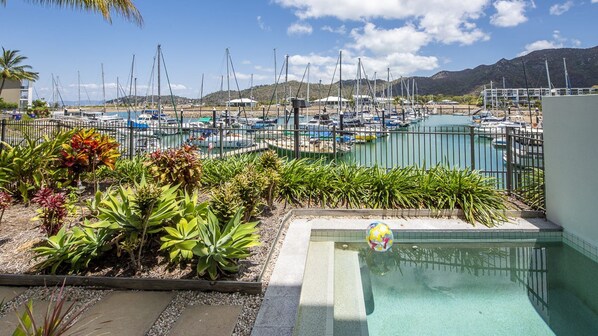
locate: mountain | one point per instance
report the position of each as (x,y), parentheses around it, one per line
(582,67)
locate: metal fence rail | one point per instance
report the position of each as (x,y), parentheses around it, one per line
(513,156)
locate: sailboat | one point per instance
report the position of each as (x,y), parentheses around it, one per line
(228,138)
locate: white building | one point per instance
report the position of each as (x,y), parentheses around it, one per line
(516,97)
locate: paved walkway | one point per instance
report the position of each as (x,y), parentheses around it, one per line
(132,313)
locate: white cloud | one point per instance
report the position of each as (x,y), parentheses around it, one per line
(379,41)
(557,42)
(447,21)
(299,28)
(509,13)
(261,24)
(339,30)
(594,1)
(558,9)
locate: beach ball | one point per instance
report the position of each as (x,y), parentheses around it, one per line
(379,237)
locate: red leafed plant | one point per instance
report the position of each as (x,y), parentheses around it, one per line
(176,166)
(5,202)
(87,150)
(53,210)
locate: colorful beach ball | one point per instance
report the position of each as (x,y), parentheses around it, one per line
(379,237)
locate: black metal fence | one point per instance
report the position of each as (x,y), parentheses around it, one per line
(513,156)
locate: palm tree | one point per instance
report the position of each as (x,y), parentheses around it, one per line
(11,68)
(126,8)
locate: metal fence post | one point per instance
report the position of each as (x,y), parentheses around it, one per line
(509,160)
(131,144)
(334,141)
(3,134)
(221,139)
(472,146)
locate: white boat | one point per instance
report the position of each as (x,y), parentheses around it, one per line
(230,140)
(309,147)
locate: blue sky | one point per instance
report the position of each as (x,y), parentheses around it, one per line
(411,37)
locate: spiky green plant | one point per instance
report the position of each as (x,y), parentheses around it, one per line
(217,172)
(180,240)
(396,188)
(349,183)
(221,246)
(453,188)
(224,201)
(136,212)
(292,186)
(532,190)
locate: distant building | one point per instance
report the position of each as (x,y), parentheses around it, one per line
(516,97)
(332,101)
(18,92)
(242,102)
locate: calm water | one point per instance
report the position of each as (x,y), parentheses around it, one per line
(439,139)
(488,290)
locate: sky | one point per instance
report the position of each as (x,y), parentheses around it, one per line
(408,37)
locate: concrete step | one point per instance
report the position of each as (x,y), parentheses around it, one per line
(349,305)
(316,305)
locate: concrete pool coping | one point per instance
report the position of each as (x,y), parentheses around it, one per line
(278,312)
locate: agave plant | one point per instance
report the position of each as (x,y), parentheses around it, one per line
(74,249)
(219,248)
(180,240)
(137,212)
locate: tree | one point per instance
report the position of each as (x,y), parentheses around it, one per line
(126,8)
(11,68)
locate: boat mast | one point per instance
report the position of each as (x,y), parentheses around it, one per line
(53,91)
(308,66)
(340,81)
(567,82)
(130,89)
(103,89)
(358,82)
(276,91)
(251,96)
(548,78)
(286,90)
(227,81)
(201,96)
(388,93)
(79,90)
(374,100)
(159,95)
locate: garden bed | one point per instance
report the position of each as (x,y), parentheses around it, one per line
(19,234)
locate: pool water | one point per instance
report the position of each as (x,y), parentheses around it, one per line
(478,289)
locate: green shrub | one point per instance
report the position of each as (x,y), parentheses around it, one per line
(452,188)
(217,172)
(176,166)
(135,213)
(250,185)
(292,187)
(224,201)
(532,189)
(219,248)
(180,240)
(392,189)
(270,166)
(27,167)
(350,185)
